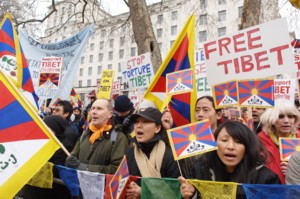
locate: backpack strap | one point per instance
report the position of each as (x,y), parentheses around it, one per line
(113,137)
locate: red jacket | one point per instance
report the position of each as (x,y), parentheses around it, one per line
(273,161)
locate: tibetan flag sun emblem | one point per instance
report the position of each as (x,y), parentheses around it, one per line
(191,139)
(288,146)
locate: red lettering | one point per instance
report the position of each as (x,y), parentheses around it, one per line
(246,60)
(260,59)
(207,50)
(223,43)
(236,43)
(253,39)
(279,54)
(236,65)
(225,63)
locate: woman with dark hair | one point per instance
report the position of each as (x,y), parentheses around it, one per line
(239,158)
(149,156)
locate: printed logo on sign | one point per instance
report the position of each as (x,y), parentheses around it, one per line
(9,65)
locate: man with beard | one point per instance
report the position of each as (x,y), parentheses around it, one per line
(256,113)
(123,110)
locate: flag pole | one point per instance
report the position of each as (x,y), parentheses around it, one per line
(179,168)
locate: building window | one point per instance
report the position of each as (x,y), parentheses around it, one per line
(82,60)
(90,71)
(121,53)
(100,57)
(103,33)
(132,39)
(203,19)
(99,69)
(91,58)
(109,66)
(132,51)
(222,2)
(174,15)
(122,41)
(110,55)
(202,36)
(159,33)
(160,19)
(171,43)
(89,82)
(80,83)
(240,11)
(173,30)
(221,31)
(203,4)
(101,45)
(222,15)
(81,72)
(92,46)
(119,67)
(111,43)
(160,46)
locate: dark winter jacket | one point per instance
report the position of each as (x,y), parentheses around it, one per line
(103,156)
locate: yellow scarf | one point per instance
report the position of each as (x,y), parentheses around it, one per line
(98,132)
(275,139)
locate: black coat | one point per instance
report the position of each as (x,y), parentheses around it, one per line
(169,168)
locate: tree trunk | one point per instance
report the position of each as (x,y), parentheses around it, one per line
(143,31)
(251,13)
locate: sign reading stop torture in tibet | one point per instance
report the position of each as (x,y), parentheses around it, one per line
(138,72)
(256,52)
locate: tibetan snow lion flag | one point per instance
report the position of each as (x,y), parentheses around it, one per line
(287,146)
(191,139)
(26,144)
(259,93)
(119,181)
(225,94)
(180,57)
(12,59)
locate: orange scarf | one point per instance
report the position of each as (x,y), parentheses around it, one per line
(98,132)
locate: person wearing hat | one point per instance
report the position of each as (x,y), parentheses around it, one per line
(149,156)
(123,110)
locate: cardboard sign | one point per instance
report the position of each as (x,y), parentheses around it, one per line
(50,72)
(284,89)
(256,52)
(138,72)
(106,84)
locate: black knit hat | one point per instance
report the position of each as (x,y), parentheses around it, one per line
(151,114)
(123,104)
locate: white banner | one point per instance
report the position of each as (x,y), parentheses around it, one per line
(70,50)
(256,52)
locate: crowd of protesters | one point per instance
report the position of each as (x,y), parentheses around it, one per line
(243,155)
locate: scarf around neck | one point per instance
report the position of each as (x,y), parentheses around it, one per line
(98,132)
(275,139)
(150,167)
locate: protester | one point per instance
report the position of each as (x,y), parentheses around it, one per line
(256,113)
(59,126)
(293,169)
(79,120)
(239,158)
(88,107)
(65,110)
(121,119)
(205,109)
(149,156)
(100,148)
(280,121)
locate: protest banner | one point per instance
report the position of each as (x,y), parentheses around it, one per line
(50,72)
(284,89)
(180,82)
(106,84)
(116,89)
(69,49)
(256,93)
(250,53)
(202,86)
(138,72)
(287,146)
